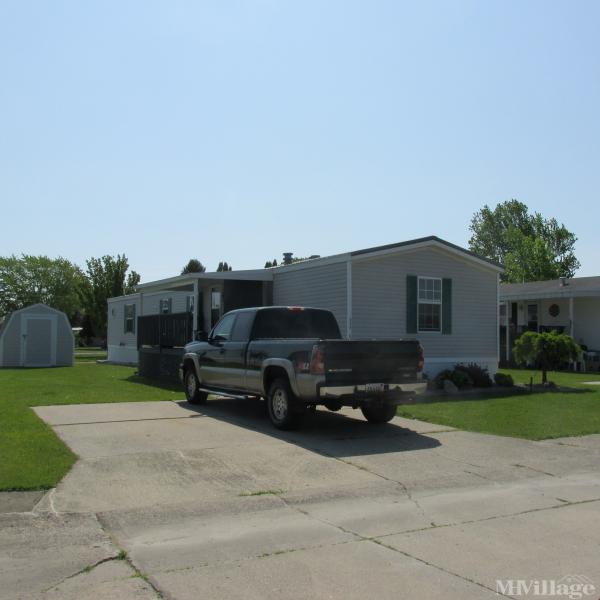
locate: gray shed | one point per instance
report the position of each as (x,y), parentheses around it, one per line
(36,336)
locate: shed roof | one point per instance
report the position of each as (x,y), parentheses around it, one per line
(554,288)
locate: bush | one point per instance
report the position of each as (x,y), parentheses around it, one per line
(503,379)
(459,378)
(479,375)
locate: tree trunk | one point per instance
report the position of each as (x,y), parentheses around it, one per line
(544,376)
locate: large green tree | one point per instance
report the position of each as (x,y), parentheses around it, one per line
(27,279)
(106,277)
(530,246)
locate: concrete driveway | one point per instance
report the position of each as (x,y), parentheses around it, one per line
(169,500)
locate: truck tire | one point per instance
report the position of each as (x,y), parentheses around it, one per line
(379,413)
(192,393)
(284,411)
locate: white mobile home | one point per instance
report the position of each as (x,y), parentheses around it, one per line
(36,336)
(428,289)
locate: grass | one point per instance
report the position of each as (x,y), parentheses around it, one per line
(534,416)
(33,457)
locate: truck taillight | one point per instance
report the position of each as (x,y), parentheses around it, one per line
(317,360)
(421,358)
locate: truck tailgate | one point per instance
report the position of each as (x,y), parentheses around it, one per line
(370,361)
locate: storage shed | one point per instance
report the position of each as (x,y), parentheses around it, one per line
(36,336)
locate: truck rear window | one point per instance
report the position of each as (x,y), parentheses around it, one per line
(286,323)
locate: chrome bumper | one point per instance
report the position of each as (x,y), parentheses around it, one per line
(417,387)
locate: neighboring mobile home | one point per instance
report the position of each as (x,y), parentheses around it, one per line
(36,336)
(428,289)
(565,305)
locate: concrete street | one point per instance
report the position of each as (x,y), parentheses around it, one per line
(176,501)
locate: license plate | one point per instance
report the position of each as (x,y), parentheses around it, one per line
(374,387)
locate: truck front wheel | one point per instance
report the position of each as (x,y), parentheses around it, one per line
(192,393)
(379,413)
(284,410)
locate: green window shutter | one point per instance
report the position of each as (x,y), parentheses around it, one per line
(125,318)
(411,303)
(446,306)
(133,311)
(170,305)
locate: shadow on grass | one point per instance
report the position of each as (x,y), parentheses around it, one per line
(170,386)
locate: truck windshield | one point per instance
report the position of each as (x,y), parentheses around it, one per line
(295,323)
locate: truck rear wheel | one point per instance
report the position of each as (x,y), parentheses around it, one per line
(379,413)
(284,411)
(192,393)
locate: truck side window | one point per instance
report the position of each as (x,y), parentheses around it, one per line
(222,329)
(242,327)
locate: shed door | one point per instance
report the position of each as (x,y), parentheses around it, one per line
(39,341)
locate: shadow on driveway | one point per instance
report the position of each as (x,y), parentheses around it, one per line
(328,433)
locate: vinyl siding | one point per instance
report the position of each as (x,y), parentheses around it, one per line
(116,314)
(379,302)
(318,287)
(586,320)
(11,342)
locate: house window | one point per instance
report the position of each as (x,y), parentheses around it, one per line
(165,306)
(430,304)
(129,325)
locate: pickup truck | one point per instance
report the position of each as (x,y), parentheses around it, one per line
(295,358)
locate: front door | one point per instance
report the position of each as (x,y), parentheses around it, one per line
(38,341)
(532,317)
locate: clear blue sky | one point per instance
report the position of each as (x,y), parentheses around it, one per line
(239,130)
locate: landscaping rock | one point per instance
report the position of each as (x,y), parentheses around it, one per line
(450,387)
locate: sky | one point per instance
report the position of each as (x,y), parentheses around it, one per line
(237,131)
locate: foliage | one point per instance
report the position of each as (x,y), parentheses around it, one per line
(503,379)
(530,246)
(271,263)
(27,280)
(223,266)
(459,378)
(479,375)
(106,277)
(193,266)
(549,350)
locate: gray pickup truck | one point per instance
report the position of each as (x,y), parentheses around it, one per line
(296,359)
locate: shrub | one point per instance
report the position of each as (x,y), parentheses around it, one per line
(479,375)
(504,379)
(548,350)
(460,379)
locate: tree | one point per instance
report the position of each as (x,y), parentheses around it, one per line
(106,277)
(223,266)
(530,246)
(27,280)
(549,350)
(270,263)
(193,266)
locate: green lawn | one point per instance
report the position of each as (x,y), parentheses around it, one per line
(33,457)
(534,416)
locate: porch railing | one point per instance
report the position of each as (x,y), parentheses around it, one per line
(164,331)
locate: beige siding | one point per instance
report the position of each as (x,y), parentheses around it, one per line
(379,302)
(318,287)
